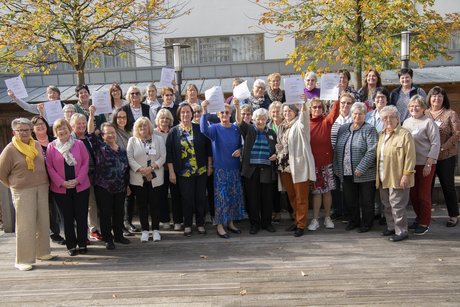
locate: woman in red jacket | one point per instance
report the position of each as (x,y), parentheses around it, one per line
(320,140)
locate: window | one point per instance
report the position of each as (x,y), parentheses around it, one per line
(218,49)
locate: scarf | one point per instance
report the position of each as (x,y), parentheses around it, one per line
(27,150)
(64,150)
(275,96)
(256,102)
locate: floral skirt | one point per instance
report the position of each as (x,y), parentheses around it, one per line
(228,196)
(324,180)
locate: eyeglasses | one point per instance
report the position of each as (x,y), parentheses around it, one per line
(121,117)
(380,97)
(135,93)
(316,107)
(22,130)
(310,80)
(168,95)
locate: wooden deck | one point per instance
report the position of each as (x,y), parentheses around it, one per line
(326,267)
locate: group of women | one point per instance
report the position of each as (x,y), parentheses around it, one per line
(145,151)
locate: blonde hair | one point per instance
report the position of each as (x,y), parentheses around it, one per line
(60,123)
(164,112)
(140,122)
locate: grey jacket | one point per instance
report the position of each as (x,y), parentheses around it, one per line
(363,151)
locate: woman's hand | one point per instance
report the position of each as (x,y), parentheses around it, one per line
(209,171)
(279,147)
(92,110)
(272,157)
(358,173)
(426,170)
(236,153)
(404,182)
(172,177)
(204,106)
(236,102)
(11,94)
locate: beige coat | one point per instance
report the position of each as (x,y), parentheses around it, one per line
(137,158)
(398,158)
(301,159)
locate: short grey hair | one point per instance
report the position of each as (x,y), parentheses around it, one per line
(259,82)
(390,109)
(360,106)
(311,74)
(419,100)
(76,117)
(69,106)
(21,121)
(260,112)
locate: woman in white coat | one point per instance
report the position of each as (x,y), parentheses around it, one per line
(146,156)
(295,162)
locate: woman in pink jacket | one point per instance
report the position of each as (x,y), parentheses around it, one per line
(67,164)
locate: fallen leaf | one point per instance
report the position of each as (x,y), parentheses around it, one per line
(182,274)
(114,295)
(204,256)
(303,274)
(440,259)
(243,292)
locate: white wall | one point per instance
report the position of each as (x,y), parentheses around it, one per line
(220,18)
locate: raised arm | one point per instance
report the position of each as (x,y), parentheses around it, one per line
(31,108)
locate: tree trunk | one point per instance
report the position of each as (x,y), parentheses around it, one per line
(81,76)
(357,74)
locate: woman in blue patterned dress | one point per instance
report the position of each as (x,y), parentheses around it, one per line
(228,193)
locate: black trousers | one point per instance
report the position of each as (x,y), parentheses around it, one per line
(337,198)
(130,201)
(147,200)
(193,195)
(74,209)
(260,200)
(111,212)
(359,199)
(445,170)
(176,204)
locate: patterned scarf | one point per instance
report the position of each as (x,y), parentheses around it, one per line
(64,150)
(275,96)
(29,150)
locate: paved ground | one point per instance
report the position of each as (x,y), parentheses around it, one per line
(326,267)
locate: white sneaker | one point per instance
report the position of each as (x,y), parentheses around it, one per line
(23,266)
(177,227)
(328,222)
(156,236)
(144,236)
(47,257)
(313,225)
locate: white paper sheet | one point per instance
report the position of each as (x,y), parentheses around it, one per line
(53,111)
(167,77)
(101,100)
(17,86)
(293,88)
(329,87)
(241,91)
(215,97)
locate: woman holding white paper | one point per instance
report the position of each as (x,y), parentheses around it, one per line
(226,148)
(52,93)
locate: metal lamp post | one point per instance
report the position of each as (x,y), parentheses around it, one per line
(176,47)
(405,49)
